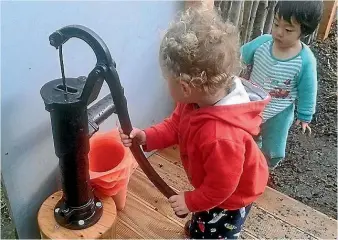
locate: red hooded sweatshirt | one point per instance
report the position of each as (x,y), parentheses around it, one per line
(218,152)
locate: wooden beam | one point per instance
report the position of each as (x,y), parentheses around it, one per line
(329,14)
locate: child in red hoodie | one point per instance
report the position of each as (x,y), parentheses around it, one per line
(214,122)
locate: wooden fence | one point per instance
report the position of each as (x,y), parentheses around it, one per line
(255,17)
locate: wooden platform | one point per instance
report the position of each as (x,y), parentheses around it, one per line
(274,215)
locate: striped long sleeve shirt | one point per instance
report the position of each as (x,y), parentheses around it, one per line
(287,81)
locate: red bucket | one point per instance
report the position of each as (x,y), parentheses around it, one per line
(110,166)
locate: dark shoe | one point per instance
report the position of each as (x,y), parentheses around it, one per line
(186,229)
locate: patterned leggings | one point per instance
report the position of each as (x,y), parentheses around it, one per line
(218,223)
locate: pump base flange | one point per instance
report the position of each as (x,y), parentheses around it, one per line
(77,218)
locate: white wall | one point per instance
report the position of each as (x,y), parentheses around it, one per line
(131,31)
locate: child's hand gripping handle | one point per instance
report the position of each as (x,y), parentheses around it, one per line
(147,168)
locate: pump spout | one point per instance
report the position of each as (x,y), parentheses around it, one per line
(100,49)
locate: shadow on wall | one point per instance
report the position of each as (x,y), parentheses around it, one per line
(26,210)
(19,157)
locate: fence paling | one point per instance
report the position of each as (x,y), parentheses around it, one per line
(252,17)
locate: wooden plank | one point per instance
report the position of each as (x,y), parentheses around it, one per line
(171,171)
(123,231)
(172,154)
(141,186)
(281,206)
(268,226)
(258,224)
(329,13)
(146,221)
(297,214)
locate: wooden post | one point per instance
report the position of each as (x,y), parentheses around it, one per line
(235,12)
(270,16)
(225,9)
(246,20)
(252,20)
(207,3)
(330,11)
(260,19)
(50,229)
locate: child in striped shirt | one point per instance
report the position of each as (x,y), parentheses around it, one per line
(286,68)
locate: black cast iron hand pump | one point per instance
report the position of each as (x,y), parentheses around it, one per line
(67,99)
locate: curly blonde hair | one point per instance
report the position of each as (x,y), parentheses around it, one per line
(201,49)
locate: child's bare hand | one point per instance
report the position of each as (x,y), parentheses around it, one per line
(177,202)
(305,126)
(139,135)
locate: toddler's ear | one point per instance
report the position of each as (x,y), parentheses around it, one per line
(186,88)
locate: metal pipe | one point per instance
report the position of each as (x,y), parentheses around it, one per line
(101,110)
